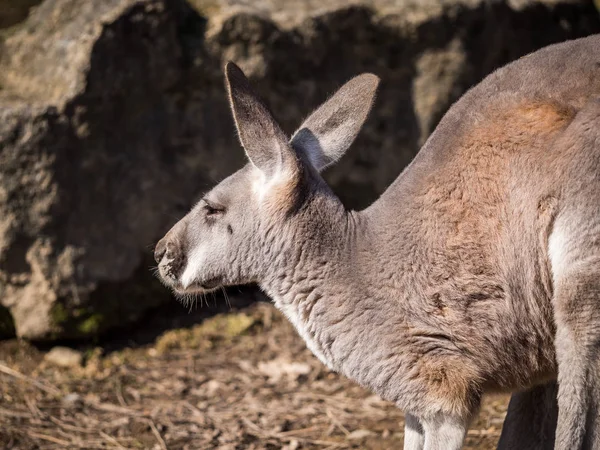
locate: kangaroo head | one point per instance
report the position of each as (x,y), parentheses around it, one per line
(235,233)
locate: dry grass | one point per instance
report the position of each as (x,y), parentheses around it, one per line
(241,381)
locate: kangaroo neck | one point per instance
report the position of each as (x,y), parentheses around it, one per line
(318,274)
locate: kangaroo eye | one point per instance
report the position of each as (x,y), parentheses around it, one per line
(212,210)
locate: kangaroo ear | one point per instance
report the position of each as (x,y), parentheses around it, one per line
(328,132)
(263,140)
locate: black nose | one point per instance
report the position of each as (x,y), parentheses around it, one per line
(160,250)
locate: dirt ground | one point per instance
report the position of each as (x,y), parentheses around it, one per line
(241,380)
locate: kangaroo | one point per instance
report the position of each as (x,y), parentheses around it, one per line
(476,271)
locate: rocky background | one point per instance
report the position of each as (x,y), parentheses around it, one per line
(113,119)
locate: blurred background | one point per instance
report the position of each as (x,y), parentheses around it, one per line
(114,120)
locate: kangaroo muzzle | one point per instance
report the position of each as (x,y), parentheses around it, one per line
(169,254)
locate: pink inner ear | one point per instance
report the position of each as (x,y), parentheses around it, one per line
(330,130)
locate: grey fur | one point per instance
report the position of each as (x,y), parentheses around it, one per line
(475,272)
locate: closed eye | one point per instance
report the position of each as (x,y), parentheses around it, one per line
(212,209)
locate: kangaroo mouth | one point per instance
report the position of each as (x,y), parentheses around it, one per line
(212,283)
(199,287)
(174,281)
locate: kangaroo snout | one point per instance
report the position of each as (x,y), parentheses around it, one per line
(160,250)
(167,249)
(169,254)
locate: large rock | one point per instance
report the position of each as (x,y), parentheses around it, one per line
(113,118)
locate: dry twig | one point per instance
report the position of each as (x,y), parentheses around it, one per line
(42,386)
